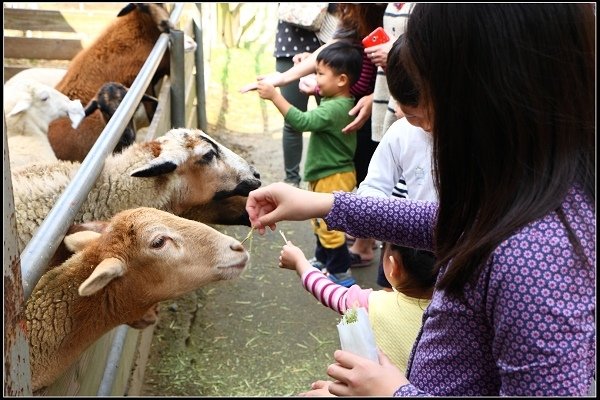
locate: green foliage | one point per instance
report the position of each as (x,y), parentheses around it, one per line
(350,316)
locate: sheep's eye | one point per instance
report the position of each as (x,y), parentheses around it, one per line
(44,96)
(208,157)
(158,242)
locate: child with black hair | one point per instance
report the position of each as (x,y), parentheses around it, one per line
(329,164)
(394,316)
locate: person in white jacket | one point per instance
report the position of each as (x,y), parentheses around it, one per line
(401,168)
(401,164)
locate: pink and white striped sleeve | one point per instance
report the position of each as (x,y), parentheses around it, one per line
(332,295)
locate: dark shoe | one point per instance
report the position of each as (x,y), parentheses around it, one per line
(357,262)
(343,278)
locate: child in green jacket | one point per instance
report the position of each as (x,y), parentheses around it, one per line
(329,162)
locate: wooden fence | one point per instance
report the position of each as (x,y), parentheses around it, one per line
(49,37)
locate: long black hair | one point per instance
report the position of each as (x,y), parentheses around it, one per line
(400,83)
(511,90)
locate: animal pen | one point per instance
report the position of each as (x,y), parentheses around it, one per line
(114,365)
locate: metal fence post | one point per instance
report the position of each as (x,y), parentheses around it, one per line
(177,79)
(17,371)
(199,62)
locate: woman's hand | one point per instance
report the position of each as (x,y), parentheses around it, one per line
(378,54)
(308,84)
(282,202)
(358,376)
(362,110)
(298,58)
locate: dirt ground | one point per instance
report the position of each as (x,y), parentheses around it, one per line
(259,335)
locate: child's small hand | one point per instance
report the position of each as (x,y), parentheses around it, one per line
(291,256)
(265,90)
(318,389)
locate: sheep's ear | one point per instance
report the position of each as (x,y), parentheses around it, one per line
(91,107)
(104,272)
(94,226)
(150,170)
(77,241)
(189,44)
(126,10)
(22,105)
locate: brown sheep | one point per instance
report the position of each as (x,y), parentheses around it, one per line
(117,55)
(145,256)
(63,253)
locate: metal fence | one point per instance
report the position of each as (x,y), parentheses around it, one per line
(38,252)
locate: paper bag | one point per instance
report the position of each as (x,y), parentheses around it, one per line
(356,335)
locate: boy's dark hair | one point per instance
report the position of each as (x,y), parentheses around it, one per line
(401,85)
(419,266)
(343,57)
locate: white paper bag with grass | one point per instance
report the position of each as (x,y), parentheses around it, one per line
(356,335)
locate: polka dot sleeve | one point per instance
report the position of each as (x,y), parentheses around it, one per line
(401,221)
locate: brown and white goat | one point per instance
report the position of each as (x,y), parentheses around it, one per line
(107,100)
(117,55)
(145,256)
(183,169)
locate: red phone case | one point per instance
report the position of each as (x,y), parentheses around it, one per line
(378,36)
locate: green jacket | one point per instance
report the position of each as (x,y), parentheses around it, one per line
(329,150)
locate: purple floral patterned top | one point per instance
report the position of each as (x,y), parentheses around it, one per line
(525,328)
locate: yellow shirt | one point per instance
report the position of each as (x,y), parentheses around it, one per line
(396,320)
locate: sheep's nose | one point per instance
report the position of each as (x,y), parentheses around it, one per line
(255,173)
(237,246)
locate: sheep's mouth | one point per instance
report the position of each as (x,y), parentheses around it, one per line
(240,265)
(236,264)
(232,271)
(242,189)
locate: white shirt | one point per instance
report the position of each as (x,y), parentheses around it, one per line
(404,153)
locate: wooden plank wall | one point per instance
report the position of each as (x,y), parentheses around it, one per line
(49,38)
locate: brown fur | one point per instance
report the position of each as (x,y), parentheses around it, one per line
(229,211)
(117,55)
(62,253)
(144,257)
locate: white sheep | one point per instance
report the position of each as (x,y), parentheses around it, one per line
(176,172)
(29,107)
(144,257)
